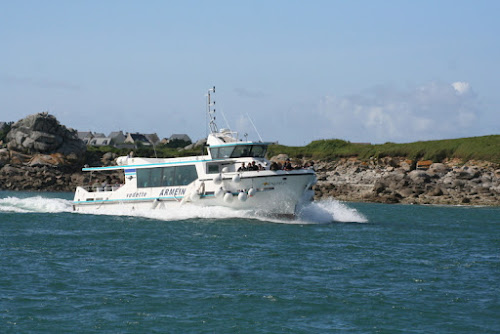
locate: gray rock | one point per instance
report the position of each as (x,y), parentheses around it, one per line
(108,158)
(279,158)
(437,168)
(4,157)
(418,176)
(42,133)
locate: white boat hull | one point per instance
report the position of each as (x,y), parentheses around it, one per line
(266,192)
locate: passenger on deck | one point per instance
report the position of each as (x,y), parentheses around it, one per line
(242,167)
(287,165)
(96,186)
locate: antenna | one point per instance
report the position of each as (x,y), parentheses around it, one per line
(211,111)
(255,128)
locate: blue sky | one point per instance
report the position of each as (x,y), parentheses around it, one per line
(363,71)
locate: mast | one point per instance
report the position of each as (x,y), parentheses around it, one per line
(211,111)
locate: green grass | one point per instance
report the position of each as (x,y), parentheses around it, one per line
(475,148)
(485,148)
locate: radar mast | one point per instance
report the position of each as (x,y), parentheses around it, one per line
(211,110)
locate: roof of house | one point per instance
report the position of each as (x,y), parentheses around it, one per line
(115,134)
(100,141)
(138,137)
(84,134)
(152,137)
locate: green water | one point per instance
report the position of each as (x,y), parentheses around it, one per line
(392,269)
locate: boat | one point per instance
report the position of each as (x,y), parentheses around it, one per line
(231,172)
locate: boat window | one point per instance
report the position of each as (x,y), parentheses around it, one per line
(259,151)
(185,175)
(166,176)
(221,152)
(212,169)
(155,176)
(214,152)
(225,152)
(143,176)
(241,151)
(253,151)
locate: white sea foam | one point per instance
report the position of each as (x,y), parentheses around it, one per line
(330,210)
(180,212)
(320,212)
(34,204)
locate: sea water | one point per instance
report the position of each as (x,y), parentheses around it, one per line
(338,267)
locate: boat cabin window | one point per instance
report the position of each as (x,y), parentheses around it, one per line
(239,151)
(166,176)
(212,168)
(217,168)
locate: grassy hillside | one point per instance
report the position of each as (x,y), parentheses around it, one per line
(476,148)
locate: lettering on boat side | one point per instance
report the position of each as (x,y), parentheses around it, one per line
(136,194)
(172,192)
(278,183)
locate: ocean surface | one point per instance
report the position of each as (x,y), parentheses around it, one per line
(338,268)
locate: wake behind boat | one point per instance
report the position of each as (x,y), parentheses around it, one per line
(234,173)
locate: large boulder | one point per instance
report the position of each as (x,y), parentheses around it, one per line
(42,133)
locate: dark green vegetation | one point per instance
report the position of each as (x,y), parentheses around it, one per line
(475,148)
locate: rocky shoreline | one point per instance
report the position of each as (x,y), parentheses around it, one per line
(42,155)
(392,180)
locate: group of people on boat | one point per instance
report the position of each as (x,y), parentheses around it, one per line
(251,166)
(287,165)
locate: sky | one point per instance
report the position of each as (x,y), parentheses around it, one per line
(286,71)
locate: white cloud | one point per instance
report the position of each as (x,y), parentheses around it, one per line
(431,111)
(461,87)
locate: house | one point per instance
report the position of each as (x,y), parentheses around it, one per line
(86,136)
(153,138)
(137,139)
(117,137)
